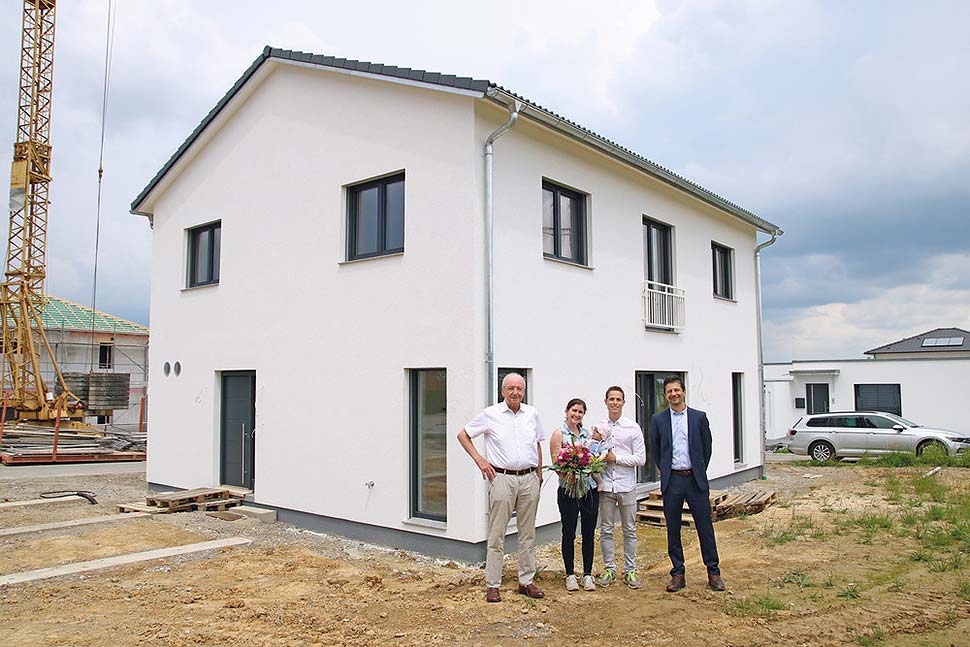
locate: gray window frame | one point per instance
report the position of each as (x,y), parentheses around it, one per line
(416,471)
(352,216)
(723,281)
(212,272)
(578,224)
(737,415)
(857,396)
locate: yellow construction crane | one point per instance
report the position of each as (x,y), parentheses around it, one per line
(22,291)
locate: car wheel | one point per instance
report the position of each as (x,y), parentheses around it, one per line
(928,444)
(821,451)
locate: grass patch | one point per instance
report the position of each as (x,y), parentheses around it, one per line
(929,488)
(797,528)
(877,636)
(761,604)
(963,589)
(797,577)
(849,593)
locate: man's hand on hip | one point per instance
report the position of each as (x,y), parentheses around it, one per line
(488,472)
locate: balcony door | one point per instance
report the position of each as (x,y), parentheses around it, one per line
(658,263)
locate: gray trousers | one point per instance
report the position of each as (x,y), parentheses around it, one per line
(505,494)
(623,504)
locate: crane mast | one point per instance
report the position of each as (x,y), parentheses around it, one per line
(22,291)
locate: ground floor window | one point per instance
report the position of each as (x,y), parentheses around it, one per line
(737,399)
(878,397)
(429,417)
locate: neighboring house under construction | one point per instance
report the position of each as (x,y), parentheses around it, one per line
(102,342)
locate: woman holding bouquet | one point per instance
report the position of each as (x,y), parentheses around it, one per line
(578,498)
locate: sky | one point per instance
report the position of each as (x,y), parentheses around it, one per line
(846,124)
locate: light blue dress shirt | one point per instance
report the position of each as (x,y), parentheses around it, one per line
(678,428)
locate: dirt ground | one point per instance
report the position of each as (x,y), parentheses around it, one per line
(854,557)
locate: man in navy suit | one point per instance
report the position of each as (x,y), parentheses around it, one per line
(680,444)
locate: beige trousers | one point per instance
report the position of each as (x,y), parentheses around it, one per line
(505,494)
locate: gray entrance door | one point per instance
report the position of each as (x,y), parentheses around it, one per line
(817,398)
(238,428)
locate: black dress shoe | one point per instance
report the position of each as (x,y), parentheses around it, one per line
(715,582)
(676,583)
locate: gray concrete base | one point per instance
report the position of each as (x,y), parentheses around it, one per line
(260,514)
(742,476)
(470,552)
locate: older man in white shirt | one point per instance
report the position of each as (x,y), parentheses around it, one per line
(619,494)
(513,466)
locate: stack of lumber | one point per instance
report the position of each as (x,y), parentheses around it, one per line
(126,441)
(206,499)
(29,443)
(652,509)
(745,503)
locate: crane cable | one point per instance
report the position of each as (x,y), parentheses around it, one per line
(108,48)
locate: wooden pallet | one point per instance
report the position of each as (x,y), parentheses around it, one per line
(747,503)
(657,518)
(186,497)
(141,507)
(205,506)
(68,456)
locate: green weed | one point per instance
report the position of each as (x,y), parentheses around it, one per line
(849,593)
(964,590)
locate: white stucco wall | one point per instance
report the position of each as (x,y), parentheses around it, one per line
(331,342)
(581,329)
(933,391)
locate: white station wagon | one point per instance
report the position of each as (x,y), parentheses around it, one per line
(836,434)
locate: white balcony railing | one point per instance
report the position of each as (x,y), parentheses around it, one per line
(664,306)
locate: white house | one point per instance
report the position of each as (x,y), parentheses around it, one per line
(347,257)
(923,378)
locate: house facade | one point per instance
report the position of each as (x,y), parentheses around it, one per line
(338,285)
(922,378)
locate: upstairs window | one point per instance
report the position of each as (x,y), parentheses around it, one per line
(375,222)
(204,252)
(658,256)
(105,356)
(723,262)
(563,224)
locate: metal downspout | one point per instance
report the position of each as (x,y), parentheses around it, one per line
(761,351)
(489,304)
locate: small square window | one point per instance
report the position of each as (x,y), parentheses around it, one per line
(723,262)
(205,243)
(375,219)
(563,223)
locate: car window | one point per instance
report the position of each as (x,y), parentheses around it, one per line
(878,422)
(850,422)
(823,421)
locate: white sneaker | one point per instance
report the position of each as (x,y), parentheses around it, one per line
(571,583)
(588,583)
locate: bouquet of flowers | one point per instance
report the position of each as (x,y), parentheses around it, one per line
(576,466)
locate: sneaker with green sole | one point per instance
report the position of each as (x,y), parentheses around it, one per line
(607,578)
(630,579)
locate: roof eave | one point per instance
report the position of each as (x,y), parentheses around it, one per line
(589,138)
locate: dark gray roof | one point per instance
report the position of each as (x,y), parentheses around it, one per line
(535,110)
(914,344)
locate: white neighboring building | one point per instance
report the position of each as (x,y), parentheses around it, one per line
(320,311)
(923,378)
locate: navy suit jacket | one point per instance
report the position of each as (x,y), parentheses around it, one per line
(698,446)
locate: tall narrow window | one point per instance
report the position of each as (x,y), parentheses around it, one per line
(658,262)
(105,356)
(502,372)
(563,223)
(722,261)
(376,218)
(429,418)
(737,398)
(204,254)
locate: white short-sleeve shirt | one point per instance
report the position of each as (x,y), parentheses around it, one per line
(510,438)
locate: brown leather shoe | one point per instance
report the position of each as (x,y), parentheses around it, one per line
(676,583)
(492,595)
(715,582)
(532,591)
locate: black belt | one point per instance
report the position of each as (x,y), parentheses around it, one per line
(682,472)
(527,470)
